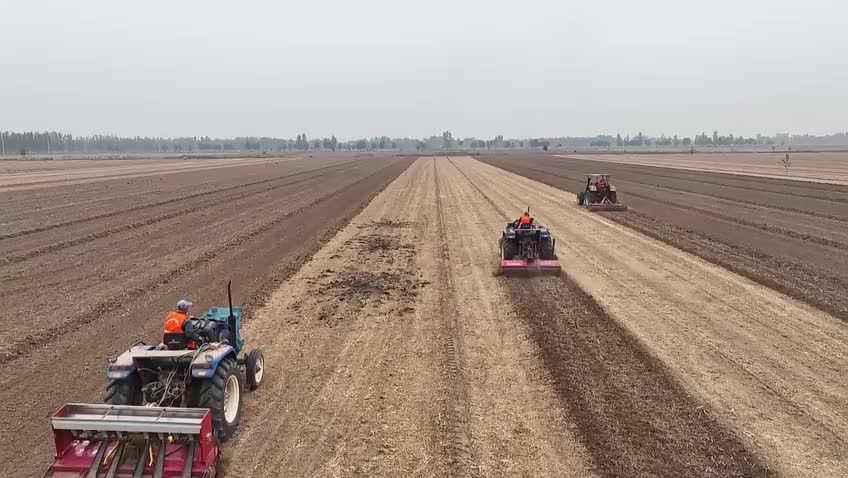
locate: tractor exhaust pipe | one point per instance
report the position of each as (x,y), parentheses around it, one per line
(231,319)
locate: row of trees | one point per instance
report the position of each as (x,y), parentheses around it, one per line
(55,142)
(700,140)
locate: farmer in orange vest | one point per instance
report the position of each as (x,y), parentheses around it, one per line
(174,320)
(525,220)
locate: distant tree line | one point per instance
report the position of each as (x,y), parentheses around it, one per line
(14,143)
(700,140)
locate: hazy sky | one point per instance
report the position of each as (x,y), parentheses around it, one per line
(371,67)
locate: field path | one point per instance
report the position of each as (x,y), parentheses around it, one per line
(770,367)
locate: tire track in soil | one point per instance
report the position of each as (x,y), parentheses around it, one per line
(166,202)
(489,200)
(461,459)
(43,337)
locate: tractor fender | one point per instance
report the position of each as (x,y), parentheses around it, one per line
(124,366)
(206,362)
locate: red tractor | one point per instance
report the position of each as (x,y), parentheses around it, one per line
(599,195)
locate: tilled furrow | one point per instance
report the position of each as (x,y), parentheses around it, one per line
(461,458)
(632,415)
(577,179)
(723,337)
(770,255)
(72,370)
(43,336)
(141,207)
(798,280)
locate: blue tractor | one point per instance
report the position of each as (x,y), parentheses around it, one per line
(527,247)
(206,367)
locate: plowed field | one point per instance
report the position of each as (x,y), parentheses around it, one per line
(791,236)
(400,353)
(89,265)
(823,167)
(393,349)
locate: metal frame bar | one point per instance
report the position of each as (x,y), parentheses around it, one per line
(130,419)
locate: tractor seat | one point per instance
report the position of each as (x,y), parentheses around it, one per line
(175,341)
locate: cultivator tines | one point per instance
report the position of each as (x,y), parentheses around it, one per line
(118,441)
(524,266)
(606,205)
(600,194)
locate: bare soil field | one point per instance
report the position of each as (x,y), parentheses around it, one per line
(824,167)
(87,269)
(768,367)
(392,348)
(401,354)
(396,353)
(788,235)
(22,175)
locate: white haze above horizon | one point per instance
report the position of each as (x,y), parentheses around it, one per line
(399,68)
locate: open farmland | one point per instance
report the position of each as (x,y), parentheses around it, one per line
(394,350)
(824,167)
(789,235)
(91,264)
(405,356)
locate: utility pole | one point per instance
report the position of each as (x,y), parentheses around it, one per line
(3,141)
(48,143)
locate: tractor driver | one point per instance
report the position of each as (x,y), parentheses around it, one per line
(525,221)
(174,324)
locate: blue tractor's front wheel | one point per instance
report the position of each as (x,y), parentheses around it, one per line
(255,368)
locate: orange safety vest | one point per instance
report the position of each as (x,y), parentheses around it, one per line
(524,220)
(174,322)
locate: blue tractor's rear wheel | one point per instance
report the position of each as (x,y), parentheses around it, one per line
(124,391)
(547,249)
(221,394)
(510,249)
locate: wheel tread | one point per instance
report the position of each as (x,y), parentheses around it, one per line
(211,396)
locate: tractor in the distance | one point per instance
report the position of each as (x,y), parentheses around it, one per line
(600,194)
